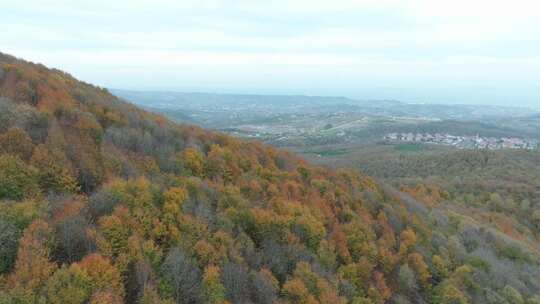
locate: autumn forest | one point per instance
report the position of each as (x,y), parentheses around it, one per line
(103,202)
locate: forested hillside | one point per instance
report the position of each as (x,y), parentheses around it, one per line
(101,202)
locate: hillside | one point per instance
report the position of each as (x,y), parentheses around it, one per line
(502,184)
(102,202)
(529,124)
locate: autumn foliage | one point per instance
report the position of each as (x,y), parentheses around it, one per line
(118,205)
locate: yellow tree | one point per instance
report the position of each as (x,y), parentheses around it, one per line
(439,265)
(193,162)
(103,276)
(174,198)
(295,292)
(407,239)
(416,262)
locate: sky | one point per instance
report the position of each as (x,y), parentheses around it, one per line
(461,51)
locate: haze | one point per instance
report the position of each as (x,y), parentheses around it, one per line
(483,52)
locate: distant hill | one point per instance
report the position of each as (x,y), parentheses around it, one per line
(529,125)
(103,202)
(166,101)
(165,98)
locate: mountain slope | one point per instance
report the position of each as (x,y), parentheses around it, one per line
(101,202)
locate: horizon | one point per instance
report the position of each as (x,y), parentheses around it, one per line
(232,93)
(483,53)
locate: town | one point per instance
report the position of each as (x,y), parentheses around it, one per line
(466,142)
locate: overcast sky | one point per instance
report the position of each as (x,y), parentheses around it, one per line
(461,51)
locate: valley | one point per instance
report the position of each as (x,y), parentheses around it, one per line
(105,202)
(269,152)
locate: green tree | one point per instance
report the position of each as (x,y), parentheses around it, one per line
(449,294)
(212,290)
(53,175)
(9,236)
(512,295)
(17,179)
(69,286)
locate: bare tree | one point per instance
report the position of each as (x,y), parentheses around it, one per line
(183,276)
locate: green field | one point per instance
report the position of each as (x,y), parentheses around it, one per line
(409,147)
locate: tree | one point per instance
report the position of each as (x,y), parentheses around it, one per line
(407,279)
(496,202)
(116,232)
(450,294)
(15,141)
(183,277)
(215,163)
(33,267)
(21,214)
(9,236)
(105,297)
(416,261)
(264,287)
(72,243)
(151,296)
(138,276)
(358,274)
(310,230)
(326,255)
(295,292)
(193,162)
(17,179)
(53,174)
(407,239)
(213,291)
(236,282)
(174,198)
(512,295)
(103,201)
(534,300)
(309,278)
(536,217)
(440,268)
(206,253)
(68,285)
(382,288)
(17,296)
(103,276)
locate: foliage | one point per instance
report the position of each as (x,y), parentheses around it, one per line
(68,285)
(212,290)
(9,236)
(101,202)
(18,179)
(33,266)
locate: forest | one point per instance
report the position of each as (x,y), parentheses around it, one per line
(103,202)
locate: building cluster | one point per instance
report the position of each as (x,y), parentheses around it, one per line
(466,142)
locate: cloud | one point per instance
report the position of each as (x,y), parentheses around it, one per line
(335,43)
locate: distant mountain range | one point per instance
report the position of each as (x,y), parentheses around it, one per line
(303,103)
